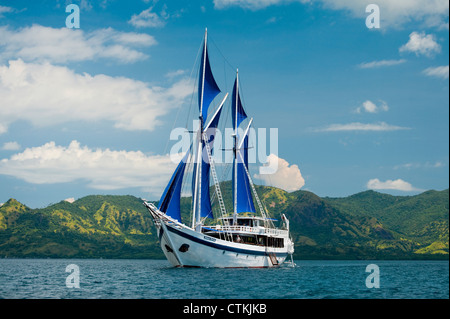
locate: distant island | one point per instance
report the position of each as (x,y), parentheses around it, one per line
(367,225)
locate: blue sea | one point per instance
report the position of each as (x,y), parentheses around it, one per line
(157,279)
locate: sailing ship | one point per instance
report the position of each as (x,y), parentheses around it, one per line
(242,238)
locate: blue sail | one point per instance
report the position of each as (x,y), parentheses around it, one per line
(170,200)
(244,200)
(237,110)
(209,87)
(206,210)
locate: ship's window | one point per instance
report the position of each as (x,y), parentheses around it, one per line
(244,222)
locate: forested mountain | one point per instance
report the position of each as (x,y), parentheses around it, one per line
(367,225)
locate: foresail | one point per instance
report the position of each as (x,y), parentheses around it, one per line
(170,200)
(207,86)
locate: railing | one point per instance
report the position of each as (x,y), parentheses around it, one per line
(248,229)
(224,229)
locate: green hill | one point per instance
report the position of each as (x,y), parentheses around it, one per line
(415,223)
(93,226)
(367,225)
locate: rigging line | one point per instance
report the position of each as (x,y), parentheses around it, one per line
(185,180)
(211,39)
(267,180)
(194,67)
(190,104)
(262,207)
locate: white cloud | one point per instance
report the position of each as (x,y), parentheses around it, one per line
(370,107)
(392,13)
(149,19)
(4,9)
(39,43)
(44,95)
(287,177)
(381,63)
(382,126)
(175,74)
(427,165)
(11,146)
(439,71)
(421,44)
(399,12)
(397,184)
(247,4)
(101,168)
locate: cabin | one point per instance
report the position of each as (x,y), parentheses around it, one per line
(248,230)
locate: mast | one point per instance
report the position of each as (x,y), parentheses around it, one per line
(242,194)
(235,146)
(198,173)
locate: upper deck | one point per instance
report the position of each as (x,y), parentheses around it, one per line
(253,225)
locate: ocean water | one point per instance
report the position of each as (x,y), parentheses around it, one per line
(157,279)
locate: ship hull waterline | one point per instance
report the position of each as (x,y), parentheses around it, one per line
(188,248)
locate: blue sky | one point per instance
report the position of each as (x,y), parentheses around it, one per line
(90,110)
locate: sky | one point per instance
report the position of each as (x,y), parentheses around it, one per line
(90,110)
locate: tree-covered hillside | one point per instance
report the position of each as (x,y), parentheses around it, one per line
(367,225)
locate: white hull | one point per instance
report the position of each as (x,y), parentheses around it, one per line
(184,247)
(206,251)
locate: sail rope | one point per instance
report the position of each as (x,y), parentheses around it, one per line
(261,206)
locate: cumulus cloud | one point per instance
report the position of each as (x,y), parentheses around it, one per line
(4,9)
(149,19)
(101,168)
(381,63)
(426,165)
(397,184)
(248,4)
(393,13)
(39,43)
(287,177)
(400,12)
(421,44)
(380,127)
(439,72)
(44,95)
(370,107)
(174,74)
(11,146)
(3,128)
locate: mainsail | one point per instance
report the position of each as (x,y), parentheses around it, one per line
(207,91)
(207,86)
